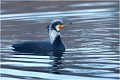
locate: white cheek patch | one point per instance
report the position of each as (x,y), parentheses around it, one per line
(57,28)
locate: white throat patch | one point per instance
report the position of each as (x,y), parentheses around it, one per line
(53,34)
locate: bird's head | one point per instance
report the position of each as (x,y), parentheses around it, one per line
(56,25)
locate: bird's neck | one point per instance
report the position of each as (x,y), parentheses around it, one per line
(54,36)
(56,42)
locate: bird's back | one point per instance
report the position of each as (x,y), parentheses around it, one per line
(33,47)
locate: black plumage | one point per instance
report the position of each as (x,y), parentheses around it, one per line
(55,45)
(33,47)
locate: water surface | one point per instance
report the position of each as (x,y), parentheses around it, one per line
(91,41)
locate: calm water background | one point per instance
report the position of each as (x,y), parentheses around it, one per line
(91,41)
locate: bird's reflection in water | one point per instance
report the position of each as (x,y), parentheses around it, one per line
(57,63)
(57,60)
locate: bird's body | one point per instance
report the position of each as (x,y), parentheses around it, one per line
(55,45)
(33,47)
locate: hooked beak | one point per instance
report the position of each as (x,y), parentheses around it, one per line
(60,26)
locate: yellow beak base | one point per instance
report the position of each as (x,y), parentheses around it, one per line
(60,26)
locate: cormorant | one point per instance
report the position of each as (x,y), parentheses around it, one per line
(55,45)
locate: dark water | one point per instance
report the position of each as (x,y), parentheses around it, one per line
(91,41)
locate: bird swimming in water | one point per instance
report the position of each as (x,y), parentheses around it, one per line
(55,45)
